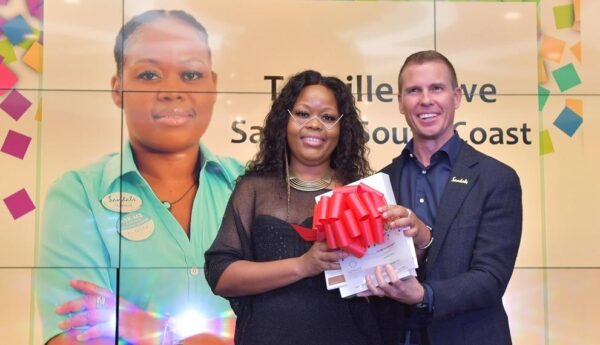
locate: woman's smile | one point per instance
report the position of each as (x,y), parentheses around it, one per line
(313,140)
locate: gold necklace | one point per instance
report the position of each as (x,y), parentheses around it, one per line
(310,186)
(169,204)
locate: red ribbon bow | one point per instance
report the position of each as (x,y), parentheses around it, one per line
(348,219)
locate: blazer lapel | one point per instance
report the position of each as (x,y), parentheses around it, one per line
(394,171)
(462,179)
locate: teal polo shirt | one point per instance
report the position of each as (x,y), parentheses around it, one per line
(160,268)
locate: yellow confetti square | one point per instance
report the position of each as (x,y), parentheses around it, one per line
(576,50)
(7,52)
(575,104)
(546,146)
(33,57)
(542,75)
(38,113)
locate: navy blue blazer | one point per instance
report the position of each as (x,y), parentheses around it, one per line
(477,233)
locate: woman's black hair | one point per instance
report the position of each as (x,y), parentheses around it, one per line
(349,158)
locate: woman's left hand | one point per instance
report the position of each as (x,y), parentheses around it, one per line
(97,310)
(319,258)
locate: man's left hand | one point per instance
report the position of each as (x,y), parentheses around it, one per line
(407,290)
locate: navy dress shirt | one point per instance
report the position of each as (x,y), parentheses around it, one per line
(421,189)
(422,186)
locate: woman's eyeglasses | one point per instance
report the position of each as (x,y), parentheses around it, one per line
(303,117)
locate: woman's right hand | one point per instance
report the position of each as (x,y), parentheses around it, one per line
(320,258)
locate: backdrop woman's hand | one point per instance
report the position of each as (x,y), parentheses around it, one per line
(97,310)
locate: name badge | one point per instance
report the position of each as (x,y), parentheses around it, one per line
(136,226)
(122,202)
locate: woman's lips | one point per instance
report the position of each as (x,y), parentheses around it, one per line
(312,140)
(173,117)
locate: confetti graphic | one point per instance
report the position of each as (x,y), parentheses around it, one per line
(19,204)
(566,77)
(21,56)
(7,79)
(17,30)
(16,144)
(568,121)
(564,16)
(15,104)
(560,57)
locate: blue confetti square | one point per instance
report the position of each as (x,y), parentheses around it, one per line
(568,121)
(16,30)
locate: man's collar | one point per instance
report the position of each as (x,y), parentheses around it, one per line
(450,148)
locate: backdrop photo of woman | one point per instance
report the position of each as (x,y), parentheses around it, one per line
(130,231)
(312,141)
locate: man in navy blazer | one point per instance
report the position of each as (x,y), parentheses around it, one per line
(464,212)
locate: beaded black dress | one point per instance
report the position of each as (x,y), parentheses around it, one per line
(256,226)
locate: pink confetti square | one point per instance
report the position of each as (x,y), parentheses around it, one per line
(19,204)
(35,8)
(16,144)
(15,104)
(7,79)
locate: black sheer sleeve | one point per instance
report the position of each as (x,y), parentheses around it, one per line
(233,239)
(252,197)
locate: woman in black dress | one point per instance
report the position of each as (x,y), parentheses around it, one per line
(312,141)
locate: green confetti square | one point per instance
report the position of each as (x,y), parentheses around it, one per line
(7,51)
(29,39)
(543,94)
(566,77)
(546,146)
(564,16)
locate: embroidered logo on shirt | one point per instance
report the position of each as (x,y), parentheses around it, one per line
(122,202)
(459,180)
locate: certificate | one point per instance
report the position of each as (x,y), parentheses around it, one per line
(397,250)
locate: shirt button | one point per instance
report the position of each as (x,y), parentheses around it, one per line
(411,155)
(423,172)
(421,200)
(194,271)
